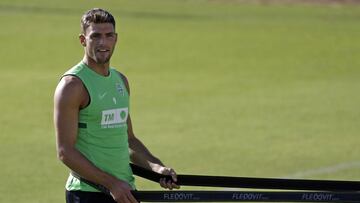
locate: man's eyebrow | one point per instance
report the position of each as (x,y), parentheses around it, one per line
(99,33)
(95,33)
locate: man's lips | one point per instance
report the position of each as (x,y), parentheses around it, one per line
(102,50)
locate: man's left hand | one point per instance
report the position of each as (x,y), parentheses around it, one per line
(169,184)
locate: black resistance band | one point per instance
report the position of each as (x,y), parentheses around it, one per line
(255,183)
(325,191)
(244,196)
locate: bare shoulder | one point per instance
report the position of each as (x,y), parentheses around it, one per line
(70,90)
(69,84)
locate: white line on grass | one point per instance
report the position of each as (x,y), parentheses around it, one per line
(325,170)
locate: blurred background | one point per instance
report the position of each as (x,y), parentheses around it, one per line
(219,87)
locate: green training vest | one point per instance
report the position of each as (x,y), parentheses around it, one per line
(102,129)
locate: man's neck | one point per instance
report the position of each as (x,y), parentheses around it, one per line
(101,69)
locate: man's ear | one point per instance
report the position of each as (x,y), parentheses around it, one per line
(82,39)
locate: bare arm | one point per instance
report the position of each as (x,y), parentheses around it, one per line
(70,96)
(140,155)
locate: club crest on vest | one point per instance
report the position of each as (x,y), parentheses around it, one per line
(120,89)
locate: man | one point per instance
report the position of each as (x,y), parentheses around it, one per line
(94,133)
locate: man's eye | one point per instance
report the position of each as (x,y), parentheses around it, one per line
(95,36)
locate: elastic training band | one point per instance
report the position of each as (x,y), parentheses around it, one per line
(235,196)
(255,183)
(244,196)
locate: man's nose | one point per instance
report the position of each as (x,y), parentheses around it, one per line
(102,41)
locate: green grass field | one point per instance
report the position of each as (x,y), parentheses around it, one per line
(217,88)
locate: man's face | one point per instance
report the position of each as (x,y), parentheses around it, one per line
(99,41)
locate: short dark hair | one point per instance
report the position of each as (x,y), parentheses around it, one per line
(96,15)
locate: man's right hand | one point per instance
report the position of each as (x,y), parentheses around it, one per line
(121,192)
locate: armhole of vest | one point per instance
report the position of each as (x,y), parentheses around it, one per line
(84,87)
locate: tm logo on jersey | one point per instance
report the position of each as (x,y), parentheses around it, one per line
(114,118)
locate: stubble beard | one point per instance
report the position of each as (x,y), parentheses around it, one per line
(102,60)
